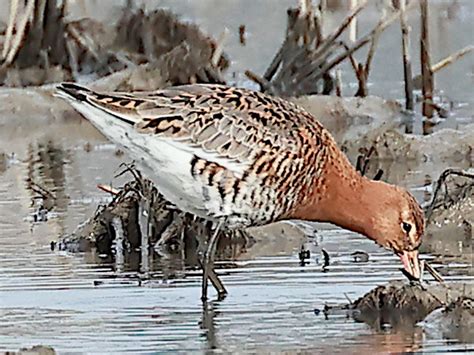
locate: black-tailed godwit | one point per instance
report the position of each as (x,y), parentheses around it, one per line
(241,158)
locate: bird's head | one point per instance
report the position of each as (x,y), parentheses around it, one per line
(399,225)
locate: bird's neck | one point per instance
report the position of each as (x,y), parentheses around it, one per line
(344,198)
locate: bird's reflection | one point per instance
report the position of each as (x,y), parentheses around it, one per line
(208,323)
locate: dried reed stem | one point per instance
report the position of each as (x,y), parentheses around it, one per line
(242,39)
(305,6)
(219,47)
(20,34)
(84,41)
(320,19)
(360,43)
(363,71)
(353,23)
(426,73)
(329,42)
(439,184)
(338,83)
(436,275)
(451,59)
(417,81)
(117,225)
(109,189)
(144,208)
(326,48)
(407,72)
(11,25)
(264,83)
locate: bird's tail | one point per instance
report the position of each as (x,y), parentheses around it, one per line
(116,105)
(73,91)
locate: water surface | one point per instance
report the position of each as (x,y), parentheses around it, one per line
(81,303)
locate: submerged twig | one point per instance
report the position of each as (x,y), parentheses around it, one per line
(326,258)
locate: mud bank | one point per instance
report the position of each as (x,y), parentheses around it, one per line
(450,218)
(402,305)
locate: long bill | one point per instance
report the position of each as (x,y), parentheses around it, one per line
(411,263)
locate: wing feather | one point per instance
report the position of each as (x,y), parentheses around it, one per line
(225,125)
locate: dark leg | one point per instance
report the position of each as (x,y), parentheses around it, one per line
(208,267)
(215,281)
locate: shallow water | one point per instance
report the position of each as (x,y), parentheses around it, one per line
(54,298)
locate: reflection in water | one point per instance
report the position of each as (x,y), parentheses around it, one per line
(394,342)
(86,298)
(3,162)
(46,179)
(208,324)
(164,263)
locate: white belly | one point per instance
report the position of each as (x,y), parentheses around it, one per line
(167,166)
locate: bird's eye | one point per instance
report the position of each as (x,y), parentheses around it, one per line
(406,227)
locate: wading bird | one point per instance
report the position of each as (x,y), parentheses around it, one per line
(240,158)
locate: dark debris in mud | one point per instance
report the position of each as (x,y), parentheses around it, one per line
(458,318)
(169,228)
(397,304)
(33,350)
(403,305)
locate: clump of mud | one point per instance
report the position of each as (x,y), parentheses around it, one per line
(34,350)
(453,187)
(442,308)
(167,228)
(450,216)
(398,304)
(393,145)
(455,321)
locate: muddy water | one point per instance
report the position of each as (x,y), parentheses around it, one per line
(81,303)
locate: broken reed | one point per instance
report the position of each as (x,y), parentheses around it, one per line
(426,73)
(407,72)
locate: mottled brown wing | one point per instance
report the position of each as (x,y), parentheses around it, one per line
(234,123)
